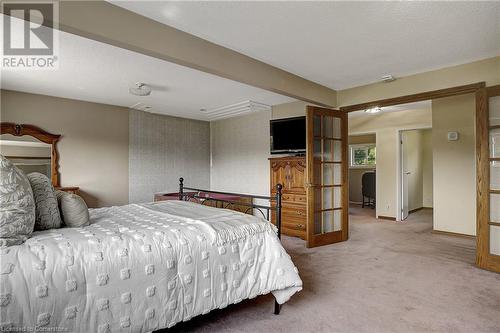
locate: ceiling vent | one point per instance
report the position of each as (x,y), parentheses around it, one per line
(233,110)
(141,107)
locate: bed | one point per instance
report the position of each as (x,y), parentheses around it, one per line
(142,267)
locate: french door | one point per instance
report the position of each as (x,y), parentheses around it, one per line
(327,176)
(488,181)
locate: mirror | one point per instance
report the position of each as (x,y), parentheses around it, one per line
(27,153)
(31,149)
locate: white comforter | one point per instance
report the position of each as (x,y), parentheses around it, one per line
(142,267)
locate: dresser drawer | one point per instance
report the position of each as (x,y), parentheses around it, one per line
(294,225)
(295,222)
(294,217)
(294,198)
(294,211)
(294,232)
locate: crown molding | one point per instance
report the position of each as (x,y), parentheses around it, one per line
(236,109)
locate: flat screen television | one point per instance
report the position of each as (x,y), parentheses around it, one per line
(288,135)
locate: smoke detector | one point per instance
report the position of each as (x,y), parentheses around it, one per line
(140,89)
(388,78)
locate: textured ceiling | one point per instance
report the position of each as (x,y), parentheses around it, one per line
(341,44)
(98,72)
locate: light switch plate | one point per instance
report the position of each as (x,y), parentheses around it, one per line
(452,136)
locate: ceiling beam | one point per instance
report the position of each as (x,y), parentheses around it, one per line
(428,95)
(105,22)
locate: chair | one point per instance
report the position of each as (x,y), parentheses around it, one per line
(368,189)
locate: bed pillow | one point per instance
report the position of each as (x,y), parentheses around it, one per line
(74,210)
(47,209)
(17,205)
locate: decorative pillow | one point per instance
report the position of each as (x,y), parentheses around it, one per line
(17,205)
(74,210)
(47,210)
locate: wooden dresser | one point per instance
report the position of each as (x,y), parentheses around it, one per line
(291,173)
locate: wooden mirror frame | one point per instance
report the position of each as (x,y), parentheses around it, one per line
(40,134)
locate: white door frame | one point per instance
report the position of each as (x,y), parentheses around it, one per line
(399,168)
(405,209)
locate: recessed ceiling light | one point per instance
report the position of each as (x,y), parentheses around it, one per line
(373,110)
(388,78)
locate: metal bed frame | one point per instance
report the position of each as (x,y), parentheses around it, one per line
(228,203)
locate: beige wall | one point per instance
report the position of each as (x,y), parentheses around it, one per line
(485,70)
(428,186)
(240,152)
(288,110)
(94,144)
(454,165)
(240,149)
(95,153)
(355,174)
(387,127)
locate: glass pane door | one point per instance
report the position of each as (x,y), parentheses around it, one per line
(488,178)
(494,159)
(327,176)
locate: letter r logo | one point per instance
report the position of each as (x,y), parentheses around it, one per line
(28,29)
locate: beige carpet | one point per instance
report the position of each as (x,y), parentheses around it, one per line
(389,277)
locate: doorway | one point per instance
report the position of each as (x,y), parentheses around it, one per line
(362,171)
(483,99)
(415,171)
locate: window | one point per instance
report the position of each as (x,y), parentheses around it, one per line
(362,156)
